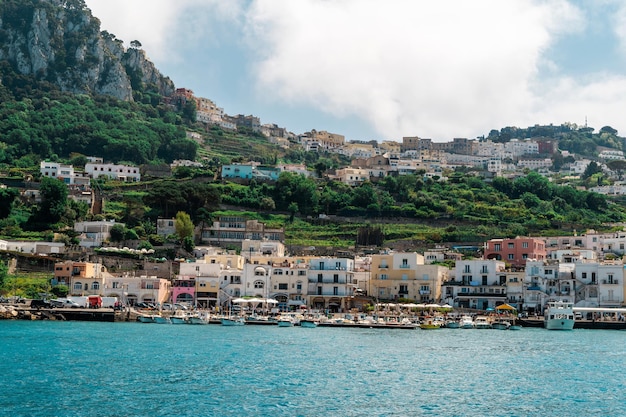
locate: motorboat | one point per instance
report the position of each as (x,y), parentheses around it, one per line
(452,324)
(481,322)
(559,315)
(430,324)
(466,322)
(500,324)
(285,321)
(161,320)
(146,318)
(197,319)
(308,323)
(179,318)
(232,321)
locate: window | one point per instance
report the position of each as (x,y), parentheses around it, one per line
(497,247)
(383,276)
(319,278)
(335,290)
(283,286)
(78,285)
(299,286)
(336,278)
(511,245)
(259,284)
(116,284)
(466,269)
(95,285)
(524,244)
(511,256)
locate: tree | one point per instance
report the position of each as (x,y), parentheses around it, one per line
(117,233)
(183,226)
(135,44)
(4,271)
(53,200)
(592,168)
(7,196)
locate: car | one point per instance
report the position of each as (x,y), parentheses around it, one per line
(64,303)
(40,304)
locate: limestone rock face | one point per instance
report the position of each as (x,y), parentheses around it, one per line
(61,42)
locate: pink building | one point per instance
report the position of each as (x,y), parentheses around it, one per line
(515,251)
(183,290)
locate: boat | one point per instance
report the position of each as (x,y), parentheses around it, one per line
(161,320)
(500,324)
(146,318)
(430,324)
(232,321)
(515,326)
(198,319)
(179,318)
(466,322)
(452,324)
(308,323)
(285,321)
(481,322)
(559,315)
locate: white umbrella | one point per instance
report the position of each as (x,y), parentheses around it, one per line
(239,300)
(433,306)
(271,301)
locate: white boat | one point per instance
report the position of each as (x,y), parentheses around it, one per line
(146,318)
(559,315)
(500,324)
(308,323)
(179,318)
(481,322)
(452,324)
(285,321)
(161,320)
(197,319)
(232,321)
(466,322)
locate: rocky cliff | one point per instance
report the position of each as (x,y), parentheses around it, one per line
(61,42)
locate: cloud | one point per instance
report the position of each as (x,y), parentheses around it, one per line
(435,69)
(163,26)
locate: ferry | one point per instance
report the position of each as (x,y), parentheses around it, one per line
(559,315)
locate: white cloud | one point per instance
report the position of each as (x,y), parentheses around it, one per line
(163,25)
(434,69)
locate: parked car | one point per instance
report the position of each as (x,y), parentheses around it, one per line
(64,303)
(40,304)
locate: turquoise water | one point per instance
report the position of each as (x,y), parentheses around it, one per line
(133,369)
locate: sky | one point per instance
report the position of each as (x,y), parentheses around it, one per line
(382,70)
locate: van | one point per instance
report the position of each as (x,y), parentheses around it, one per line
(64,303)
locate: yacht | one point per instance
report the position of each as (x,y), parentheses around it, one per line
(466,322)
(481,322)
(559,315)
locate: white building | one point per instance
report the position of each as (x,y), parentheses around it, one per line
(330,283)
(116,172)
(61,172)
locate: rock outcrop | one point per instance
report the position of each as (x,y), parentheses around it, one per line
(60,41)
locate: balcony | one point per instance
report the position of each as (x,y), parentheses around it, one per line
(403,266)
(610,282)
(383,266)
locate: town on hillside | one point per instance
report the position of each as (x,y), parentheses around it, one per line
(523,272)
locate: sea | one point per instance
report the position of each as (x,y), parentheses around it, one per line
(55,368)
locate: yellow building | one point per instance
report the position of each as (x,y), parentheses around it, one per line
(404,275)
